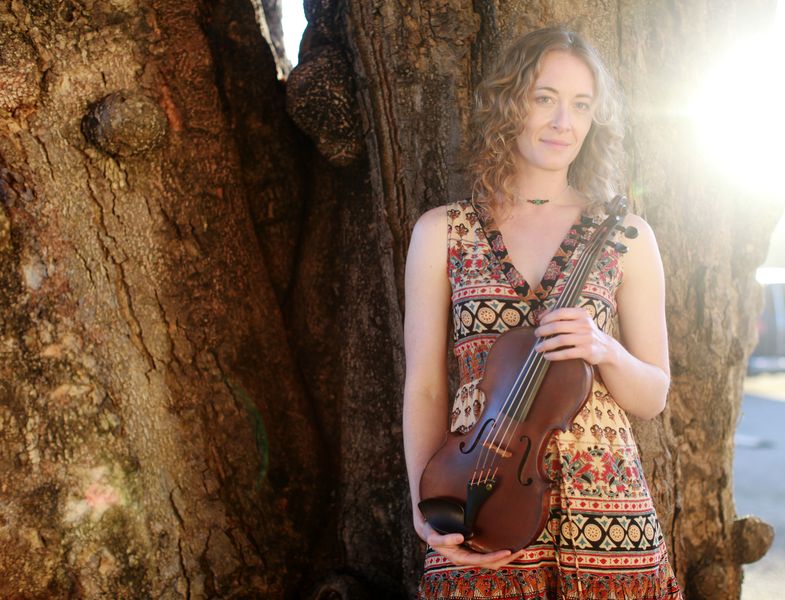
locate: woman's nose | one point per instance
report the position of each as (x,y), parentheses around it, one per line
(561,117)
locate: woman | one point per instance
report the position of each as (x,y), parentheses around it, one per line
(546,145)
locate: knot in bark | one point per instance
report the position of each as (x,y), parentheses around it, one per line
(752,538)
(320,100)
(710,581)
(124,123)
(18,71)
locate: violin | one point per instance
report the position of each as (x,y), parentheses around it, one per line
(490,484)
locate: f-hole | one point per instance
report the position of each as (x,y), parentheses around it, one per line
(527,448)
(476,439)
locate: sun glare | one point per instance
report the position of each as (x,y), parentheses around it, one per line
(738,111)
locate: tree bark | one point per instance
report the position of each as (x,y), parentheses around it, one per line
(712,237)
(201,287)
(158,441)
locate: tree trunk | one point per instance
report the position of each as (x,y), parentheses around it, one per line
(201,287)
(158,439)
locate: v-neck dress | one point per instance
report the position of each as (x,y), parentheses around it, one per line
(603,539)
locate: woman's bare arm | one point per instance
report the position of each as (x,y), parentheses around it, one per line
(426,320)
(425,402)
(637,372)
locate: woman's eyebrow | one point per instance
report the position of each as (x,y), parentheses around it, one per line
(550,89)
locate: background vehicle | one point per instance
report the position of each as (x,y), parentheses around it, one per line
(769,354)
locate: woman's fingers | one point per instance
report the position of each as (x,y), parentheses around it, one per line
(579,323)
(490,560)
(449,539)
(566,312)
(564,339)
(505,561)
(462,557)
(449,545)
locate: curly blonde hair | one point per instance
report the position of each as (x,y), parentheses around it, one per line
(501,104)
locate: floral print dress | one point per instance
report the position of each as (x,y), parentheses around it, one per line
(603,539)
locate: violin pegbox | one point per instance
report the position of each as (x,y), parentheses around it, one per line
(616,212)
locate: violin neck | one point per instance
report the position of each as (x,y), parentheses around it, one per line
(534,368)
(577,279)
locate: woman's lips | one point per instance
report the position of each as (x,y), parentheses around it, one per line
(556,144)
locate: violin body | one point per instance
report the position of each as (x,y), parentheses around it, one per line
(509,506)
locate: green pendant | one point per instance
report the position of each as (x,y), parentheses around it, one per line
(537,200)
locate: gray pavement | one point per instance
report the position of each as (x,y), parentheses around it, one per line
(759,480)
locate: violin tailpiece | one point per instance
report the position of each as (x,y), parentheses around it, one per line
(476,495)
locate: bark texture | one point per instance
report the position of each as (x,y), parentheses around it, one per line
(201,286)
(157,437)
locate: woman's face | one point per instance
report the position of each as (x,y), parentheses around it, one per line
(560,114)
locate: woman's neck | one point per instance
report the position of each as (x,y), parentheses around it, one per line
(542,185)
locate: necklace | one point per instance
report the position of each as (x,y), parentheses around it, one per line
(539,201)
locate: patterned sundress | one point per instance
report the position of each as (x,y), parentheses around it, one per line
(603,539)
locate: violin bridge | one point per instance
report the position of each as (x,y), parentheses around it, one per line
(503,452)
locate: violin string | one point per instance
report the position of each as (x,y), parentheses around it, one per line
(581,271)
(526,370)
(527,396)
(485,451)
(533,372)
(495,455)
(486,447)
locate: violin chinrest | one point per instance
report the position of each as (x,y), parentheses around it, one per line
(445,516)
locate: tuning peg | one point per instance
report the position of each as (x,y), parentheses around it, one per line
(618,246)
(630,232)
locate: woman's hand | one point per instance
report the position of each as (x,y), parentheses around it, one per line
(449,546)
(573,327)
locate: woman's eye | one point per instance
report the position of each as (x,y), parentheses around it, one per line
(583,106)
(543,99)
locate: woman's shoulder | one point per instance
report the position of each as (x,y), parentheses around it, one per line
(432,222)
(445,210)
(636,221)
(427,245)
(431,216)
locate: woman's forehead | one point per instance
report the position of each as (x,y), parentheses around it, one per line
(563,72)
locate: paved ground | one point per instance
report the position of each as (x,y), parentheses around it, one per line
(759,485)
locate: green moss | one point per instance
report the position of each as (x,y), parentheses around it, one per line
(118,536)
(260,433)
